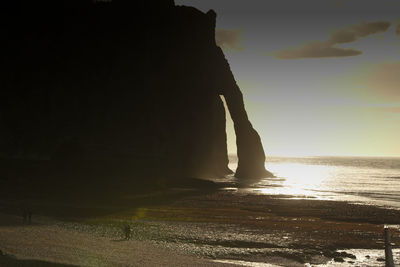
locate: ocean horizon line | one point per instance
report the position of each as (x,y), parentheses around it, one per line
(324,156)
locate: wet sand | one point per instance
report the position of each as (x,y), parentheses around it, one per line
(199,228)
(66,243)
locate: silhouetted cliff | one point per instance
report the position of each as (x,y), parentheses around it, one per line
(121,80)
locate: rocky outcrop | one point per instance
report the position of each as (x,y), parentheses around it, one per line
(250,151)
(121,80)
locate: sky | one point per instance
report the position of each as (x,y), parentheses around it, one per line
(319,77)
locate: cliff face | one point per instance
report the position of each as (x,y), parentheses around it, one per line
(250,151)
(113,80)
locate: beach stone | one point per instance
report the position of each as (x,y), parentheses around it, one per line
(347,255)
(338,259)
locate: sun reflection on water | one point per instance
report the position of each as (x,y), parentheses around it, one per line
(298,180)
(371,181)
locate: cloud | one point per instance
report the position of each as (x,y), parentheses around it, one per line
(386,79)
(398,28)
(329,47)
(354,33)
(392,109)
(316,50)
(228,39)
(387,108)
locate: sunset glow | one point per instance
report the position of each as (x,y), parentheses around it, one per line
(200,133)
(315,83)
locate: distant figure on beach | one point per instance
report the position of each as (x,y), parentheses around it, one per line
(29,216)
(127,231)
(24,216)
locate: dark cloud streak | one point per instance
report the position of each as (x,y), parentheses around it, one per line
(354,33)
(329,47)
(228,39)
(398,28)
(316,50)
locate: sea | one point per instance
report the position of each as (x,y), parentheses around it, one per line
(363,180)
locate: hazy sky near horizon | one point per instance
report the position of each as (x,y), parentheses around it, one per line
(318,77)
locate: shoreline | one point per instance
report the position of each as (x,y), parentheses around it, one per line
(226,226)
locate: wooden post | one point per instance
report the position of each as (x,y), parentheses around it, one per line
(388,249)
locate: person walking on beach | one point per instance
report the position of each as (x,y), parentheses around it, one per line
(29,217)
(24,216)
(127,231)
